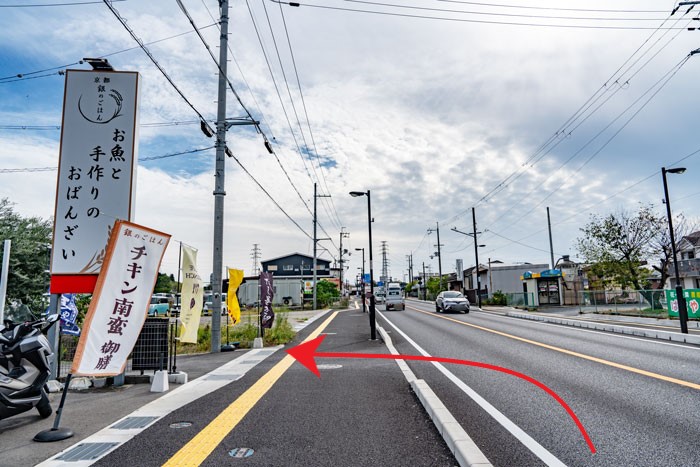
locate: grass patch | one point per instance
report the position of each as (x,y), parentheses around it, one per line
(244,332)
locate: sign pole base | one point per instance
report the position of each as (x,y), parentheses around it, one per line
(56,433)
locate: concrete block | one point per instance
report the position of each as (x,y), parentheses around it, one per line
(160,382)
(178,377)
(99,382)
(54,385)
(258,343)
(80,383)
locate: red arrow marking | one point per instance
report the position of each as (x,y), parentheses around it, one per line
(306,354)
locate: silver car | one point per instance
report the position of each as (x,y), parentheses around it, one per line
(451,300)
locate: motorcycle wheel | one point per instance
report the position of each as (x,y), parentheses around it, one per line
(44,406)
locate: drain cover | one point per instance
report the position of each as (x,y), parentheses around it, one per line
(240,453)
(181,425)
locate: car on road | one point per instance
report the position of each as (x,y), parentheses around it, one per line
(451,300)
(159,306)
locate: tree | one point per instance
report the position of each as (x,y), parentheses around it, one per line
(28,277)
(326,292)
(661,245)
(620,244)
(163,284)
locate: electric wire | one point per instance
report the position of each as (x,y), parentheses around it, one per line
(484,13)
(151,57)
(551,8)
(263,119)
(52,4)
(667,77)
(279,95)
(306,113)
(143,159)
(465,20)
(563,131)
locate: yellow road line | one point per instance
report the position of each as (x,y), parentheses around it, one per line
(202,445)
(572,353)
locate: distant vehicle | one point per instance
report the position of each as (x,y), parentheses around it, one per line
(379,296)
(208,304)
(394,297)
(451,300)
(159,306)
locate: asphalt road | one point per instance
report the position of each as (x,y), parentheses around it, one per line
(629,393)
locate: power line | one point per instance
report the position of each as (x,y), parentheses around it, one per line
(53,4)
(465,20)
(552,8)
(306,113)
(484,13)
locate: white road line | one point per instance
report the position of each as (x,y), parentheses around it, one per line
(536,448)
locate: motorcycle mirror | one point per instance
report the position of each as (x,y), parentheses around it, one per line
(53,318)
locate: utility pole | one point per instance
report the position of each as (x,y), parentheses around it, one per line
(219,185)
(316,196)
(476,254)
(385,264)
(342,235)
(437,229)
(255,255)
(551,248)
(425,284)
(410,267)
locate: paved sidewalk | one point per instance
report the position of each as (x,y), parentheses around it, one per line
(90,410)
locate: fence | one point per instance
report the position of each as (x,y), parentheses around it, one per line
(651,302)
(151,351)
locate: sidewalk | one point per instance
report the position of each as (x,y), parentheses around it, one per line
(88,411)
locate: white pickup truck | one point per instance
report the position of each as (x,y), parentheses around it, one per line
(394,297)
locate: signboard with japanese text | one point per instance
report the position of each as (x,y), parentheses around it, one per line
(692,301)
(120,303)
(96,172)
(267,316)
(192,296)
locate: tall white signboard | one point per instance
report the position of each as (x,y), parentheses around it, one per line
(96,174)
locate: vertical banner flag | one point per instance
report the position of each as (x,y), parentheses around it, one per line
(69,315)
(192,296)
(235,277)
(266,293)
(120,303)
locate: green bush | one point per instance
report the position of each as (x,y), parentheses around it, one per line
(499,298)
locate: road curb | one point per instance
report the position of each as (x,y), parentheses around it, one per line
(649,333)
(465,450)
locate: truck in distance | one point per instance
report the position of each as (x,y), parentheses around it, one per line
(394,297)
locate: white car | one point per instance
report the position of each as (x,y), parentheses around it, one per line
(451,300)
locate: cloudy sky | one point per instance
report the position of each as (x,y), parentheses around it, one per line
(435,106)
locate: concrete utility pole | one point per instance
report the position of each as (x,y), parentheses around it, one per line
(551,247)
(255,255)
(316,239)
(476,257)
(437,229)
(219,185)
(385,263)
(425,284)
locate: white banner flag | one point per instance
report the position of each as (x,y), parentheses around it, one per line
(192,296)
(120,303)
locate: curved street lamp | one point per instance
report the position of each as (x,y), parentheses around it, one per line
(372,309)
(682,306)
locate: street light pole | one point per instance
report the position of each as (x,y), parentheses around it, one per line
(372,308)
(682,306)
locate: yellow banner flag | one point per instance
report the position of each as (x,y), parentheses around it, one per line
(235,277)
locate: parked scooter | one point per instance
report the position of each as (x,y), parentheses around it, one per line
(24,364)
